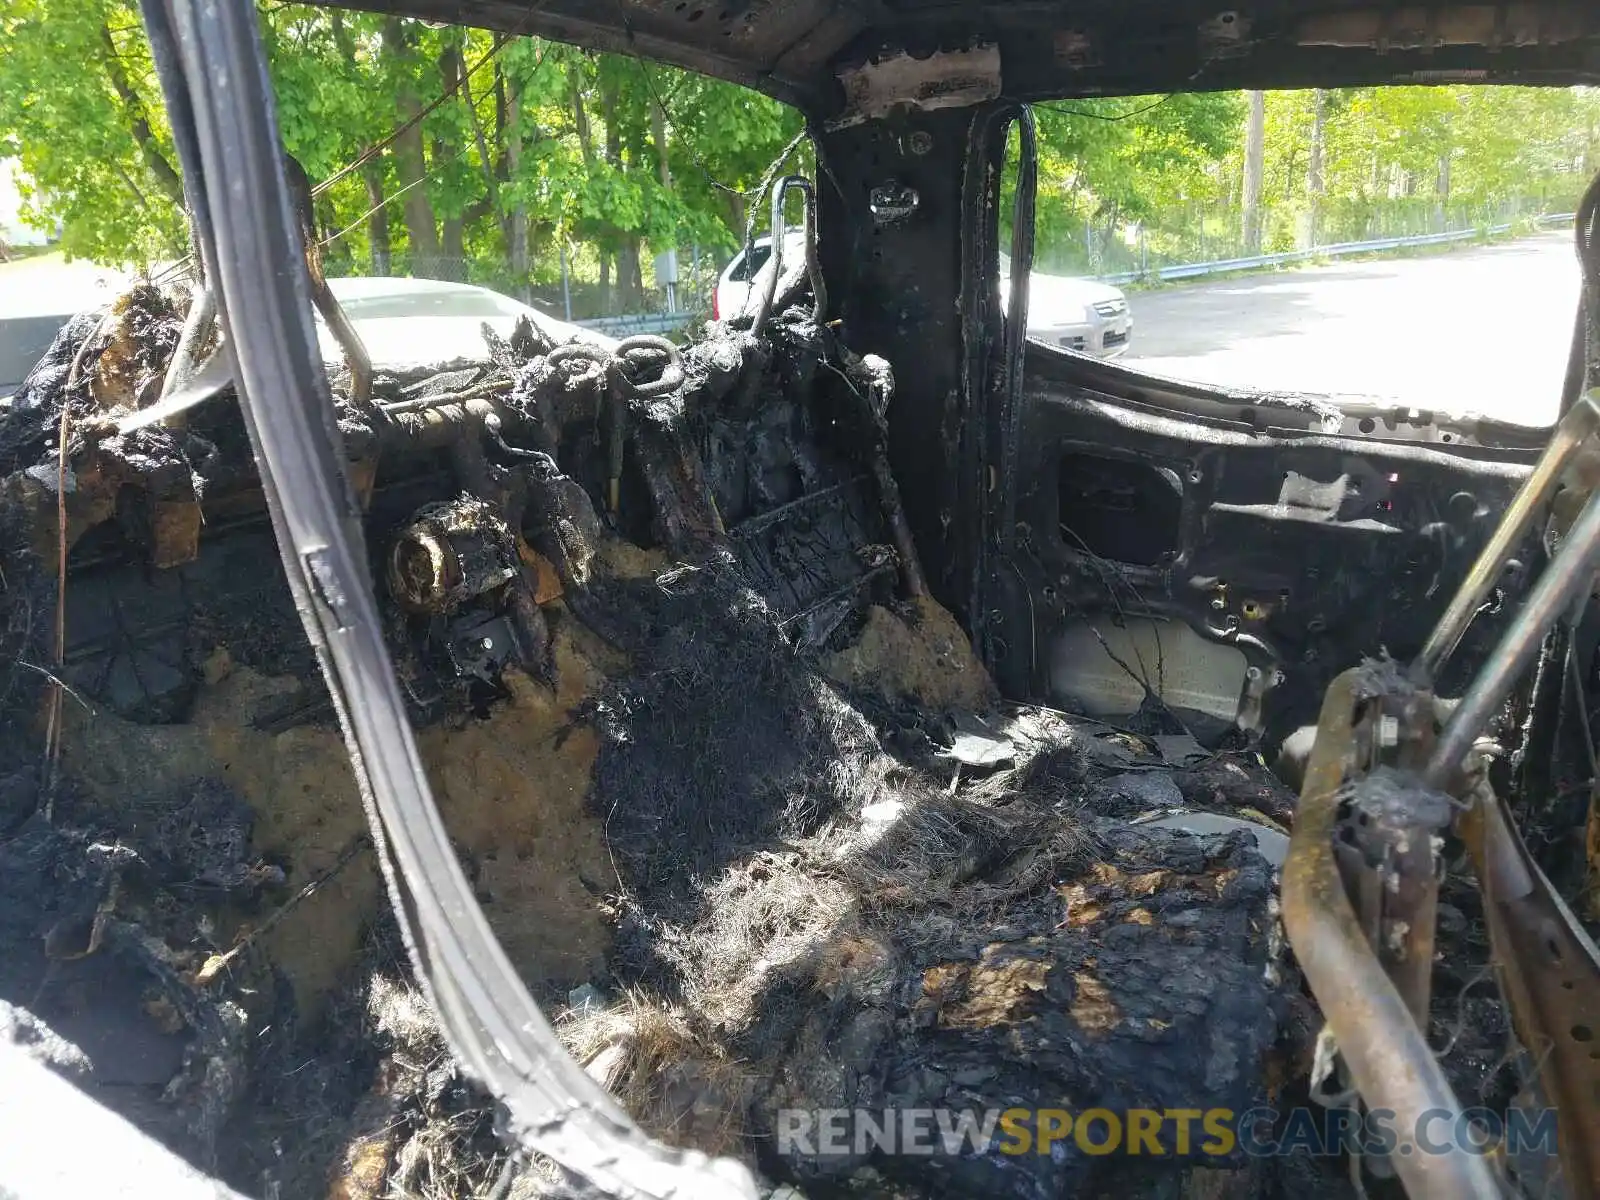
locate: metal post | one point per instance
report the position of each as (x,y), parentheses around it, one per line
(566,285)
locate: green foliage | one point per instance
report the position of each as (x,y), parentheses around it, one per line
(547,146)
(510,148)
(61,115)
(1165,181)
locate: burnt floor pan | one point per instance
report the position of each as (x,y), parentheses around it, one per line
(737,802)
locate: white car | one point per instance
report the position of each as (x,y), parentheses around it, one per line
(734,291)
(414,322)
(402,323)
(1075,314)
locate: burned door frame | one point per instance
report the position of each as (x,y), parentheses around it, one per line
(917,281)
(977,442)
(977,445)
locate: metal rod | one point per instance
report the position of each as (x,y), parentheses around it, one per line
(566,282)
(1569,573)
(813,270)
(1575,429)
(1389,1058)
(198,325)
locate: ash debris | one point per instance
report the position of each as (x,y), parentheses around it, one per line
(100,938)
(704,741)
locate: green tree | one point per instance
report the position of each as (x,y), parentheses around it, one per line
(80,109)
(492,158)
(509,149)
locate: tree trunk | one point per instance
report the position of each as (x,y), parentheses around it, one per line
(630,278)
(371,174)
(453,249)
(1316,185)
(608,117)
(410,165)
(580,115)
(517,241)
(1255,145)
(658,134)
(491,184)
(167,179)
(377,219)
(605,283)
(627,255)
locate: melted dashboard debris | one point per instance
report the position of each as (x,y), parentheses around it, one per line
(735,793)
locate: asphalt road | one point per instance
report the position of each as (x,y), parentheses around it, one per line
(1484,330)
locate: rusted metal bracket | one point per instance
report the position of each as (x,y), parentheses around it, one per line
(1388,840)
(1390,826)
(1373,1022)
(1549,972)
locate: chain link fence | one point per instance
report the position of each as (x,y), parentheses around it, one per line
(574,293)
(1212,233)
(1117,249)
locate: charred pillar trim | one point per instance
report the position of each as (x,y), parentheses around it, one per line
(896,275)
(998,603)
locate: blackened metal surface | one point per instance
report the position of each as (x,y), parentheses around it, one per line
(814,559)
(793,460)
(895,288)
(1307,553)
(793,49)
(137,640)
(1260,408)
(449,553)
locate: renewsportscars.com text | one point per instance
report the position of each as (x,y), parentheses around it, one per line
(1155,1133)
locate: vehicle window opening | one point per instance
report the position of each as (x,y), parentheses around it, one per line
(750,262)
(1347,243)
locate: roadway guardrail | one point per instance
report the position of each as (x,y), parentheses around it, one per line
(1334,250)
(629,325)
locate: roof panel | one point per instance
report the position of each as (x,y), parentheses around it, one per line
(794,49)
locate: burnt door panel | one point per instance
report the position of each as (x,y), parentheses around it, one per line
(1179,565)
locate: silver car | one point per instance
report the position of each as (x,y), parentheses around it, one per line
(1076,314)
(410,322)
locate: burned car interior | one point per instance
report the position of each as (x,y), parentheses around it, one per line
(546,774)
